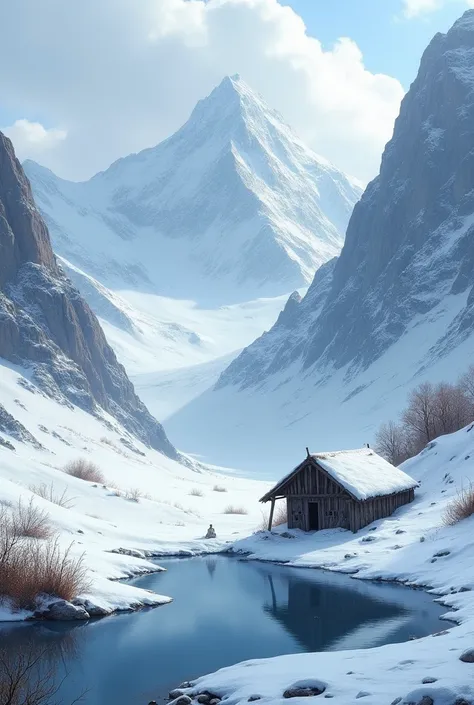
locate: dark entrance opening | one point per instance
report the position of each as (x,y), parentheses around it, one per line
(313,516)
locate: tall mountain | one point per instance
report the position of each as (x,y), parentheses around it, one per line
(399,304)
(45,325)
(231,207)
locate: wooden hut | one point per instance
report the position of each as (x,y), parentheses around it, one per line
(347,489)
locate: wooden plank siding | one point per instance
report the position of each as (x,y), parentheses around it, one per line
(335,506)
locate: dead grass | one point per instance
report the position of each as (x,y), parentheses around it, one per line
(48,492)
(279,517)
(196,492)
(30,568)
(84,470)
(219,488)
(30,521)
(231,509)
(461,507)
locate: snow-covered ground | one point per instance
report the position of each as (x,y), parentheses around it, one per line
(412,547)
(167,519)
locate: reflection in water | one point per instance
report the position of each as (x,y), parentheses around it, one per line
(32,669)
(224,611)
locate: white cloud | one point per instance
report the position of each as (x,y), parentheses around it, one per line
(121,75)
(31,138)
(415,8)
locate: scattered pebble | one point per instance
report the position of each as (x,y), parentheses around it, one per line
(467,656)
(429,679)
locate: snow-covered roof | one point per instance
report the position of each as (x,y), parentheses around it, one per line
(362,472)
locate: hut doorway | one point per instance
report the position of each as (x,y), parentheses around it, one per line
(313,511)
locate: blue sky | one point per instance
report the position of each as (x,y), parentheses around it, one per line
(390,43)
(99,79)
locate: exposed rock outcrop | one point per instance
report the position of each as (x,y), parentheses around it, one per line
(45,323)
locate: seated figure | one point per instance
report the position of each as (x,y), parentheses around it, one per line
(211,532)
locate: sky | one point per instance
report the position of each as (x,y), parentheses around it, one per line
(84,84)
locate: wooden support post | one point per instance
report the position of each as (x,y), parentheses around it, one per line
(270,521)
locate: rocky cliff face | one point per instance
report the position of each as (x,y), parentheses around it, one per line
(409,243)
(47,326)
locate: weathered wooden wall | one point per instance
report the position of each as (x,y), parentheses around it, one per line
(336,508)
(363,513)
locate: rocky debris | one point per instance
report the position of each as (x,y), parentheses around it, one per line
(253,698)
(429,679)
(46,324)
(467,656)
(396,701)
(63,611)
(182,700)
(6,444)
(400,531)
(441,554)
(368,539)
(129,552)
(362,694)
(287,535)
(11,427)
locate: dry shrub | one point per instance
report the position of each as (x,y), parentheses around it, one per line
(134,494)
(30,568)
(48,493)
(196,492)
(230,509)
(219,488)
(30,521)
(84,470)
(461,507)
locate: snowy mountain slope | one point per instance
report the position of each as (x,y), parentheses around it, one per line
(230,208)
(399,306)
(46,326)
(412,547)
(166,519)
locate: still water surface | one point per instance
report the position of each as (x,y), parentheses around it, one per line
(225,610)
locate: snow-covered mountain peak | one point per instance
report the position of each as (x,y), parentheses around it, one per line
(234,197)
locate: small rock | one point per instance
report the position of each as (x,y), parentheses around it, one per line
(186,684)
(302,692)
(396,547)
(362,694)
(328,695)
(467,656)
(429,679)
(63,611)
(464,589)
(445,631)
(422,539)
(91,608)
(216,701)
(400,531)
(253,698)
(152,702)
(80,531)
(373,528)
(461,701)
(350,673)
(203,699)
(182,700)
(433,560)
(441,554)
(425,700)
(368,539)
(432,504)
(176,693)
(396,701)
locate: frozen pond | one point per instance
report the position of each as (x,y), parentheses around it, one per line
(225,610)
